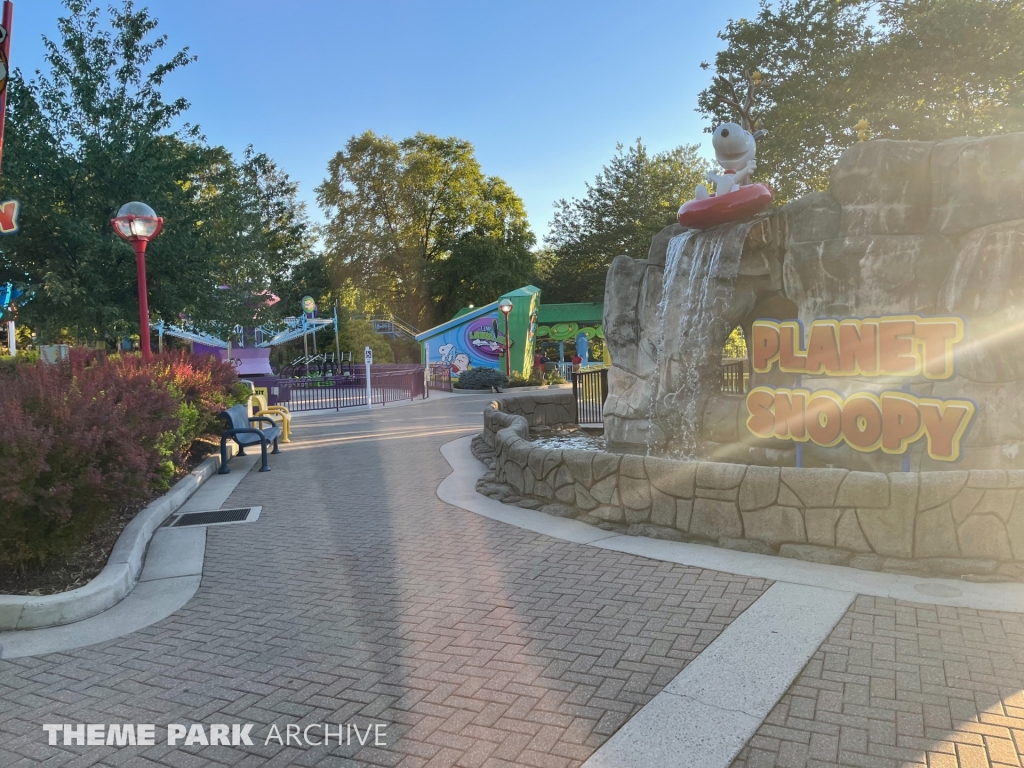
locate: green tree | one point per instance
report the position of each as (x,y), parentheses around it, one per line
(357,335)
(635,195)
(914,69)
(264,245)
(95,132)
(397,208)
(944,68)
(479,269)
(308,277)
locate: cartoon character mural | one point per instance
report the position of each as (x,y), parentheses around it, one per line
(531,334)
(459,361)
(476,344)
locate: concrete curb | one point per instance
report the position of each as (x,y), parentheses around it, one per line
(717,703)
(121,572)
(459,489)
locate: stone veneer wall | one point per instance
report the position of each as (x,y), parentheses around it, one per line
(954,522)
(540,408)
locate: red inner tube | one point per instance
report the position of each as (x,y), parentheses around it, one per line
(736,205)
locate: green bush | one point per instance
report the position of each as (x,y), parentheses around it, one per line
(9,364)
(481,378)
(518,380)
(537,378)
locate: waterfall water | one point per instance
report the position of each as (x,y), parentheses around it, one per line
(673,255)
(699,277)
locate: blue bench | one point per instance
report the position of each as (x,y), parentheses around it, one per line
(240,429)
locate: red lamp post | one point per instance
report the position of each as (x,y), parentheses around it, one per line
(505,305)
(5,59)
(137,224)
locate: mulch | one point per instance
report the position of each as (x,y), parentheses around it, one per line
(80,566)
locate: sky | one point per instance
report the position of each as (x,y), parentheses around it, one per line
(543,90)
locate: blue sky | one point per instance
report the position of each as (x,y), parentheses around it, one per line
(544,90)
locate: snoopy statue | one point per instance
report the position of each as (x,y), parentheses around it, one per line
(735,196)
(735,150)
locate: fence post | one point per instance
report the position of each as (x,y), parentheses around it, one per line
(575,395)
(368,354)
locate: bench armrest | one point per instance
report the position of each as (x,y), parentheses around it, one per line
(267,419)
(275,409)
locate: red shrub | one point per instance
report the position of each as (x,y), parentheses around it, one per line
(201,379)
(80,440)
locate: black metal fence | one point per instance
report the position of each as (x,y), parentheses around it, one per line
(337,392)
(734,379)
(439,377)
(590,390)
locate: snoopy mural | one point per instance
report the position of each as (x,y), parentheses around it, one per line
(736,196)
(450,355)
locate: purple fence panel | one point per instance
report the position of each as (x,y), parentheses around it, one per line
(337,392)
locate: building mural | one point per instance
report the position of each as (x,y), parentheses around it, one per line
(475,344)
(475,338)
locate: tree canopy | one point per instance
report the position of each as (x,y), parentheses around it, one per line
(399,209)
(95,132)
(265,244)
(635,195)
(914,69)
(478,269)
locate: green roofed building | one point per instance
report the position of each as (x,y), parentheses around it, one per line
(475,336)
(559,327)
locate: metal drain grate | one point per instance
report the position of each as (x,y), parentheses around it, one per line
(214,517)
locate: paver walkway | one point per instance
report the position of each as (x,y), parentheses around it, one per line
(360,597)
(903,684)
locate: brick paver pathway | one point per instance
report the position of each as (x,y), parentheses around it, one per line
(360,597)
(903,684)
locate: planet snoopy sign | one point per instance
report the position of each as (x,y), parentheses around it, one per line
(908,346)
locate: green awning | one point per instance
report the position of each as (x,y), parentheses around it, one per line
(584,312)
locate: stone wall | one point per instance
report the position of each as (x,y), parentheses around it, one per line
(540,409)
(939,523)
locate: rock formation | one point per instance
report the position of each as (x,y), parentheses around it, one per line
(930,228)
